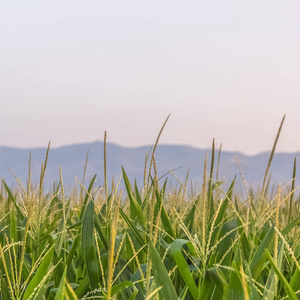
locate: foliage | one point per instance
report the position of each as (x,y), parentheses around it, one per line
(152,244)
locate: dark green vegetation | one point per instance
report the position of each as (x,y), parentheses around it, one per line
(157,244)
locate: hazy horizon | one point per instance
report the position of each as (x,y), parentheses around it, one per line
(208,148)
(225,70)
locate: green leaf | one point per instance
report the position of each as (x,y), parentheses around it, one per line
(5,293)
(182,265)
(39,275)
(137,194)
(100,231)
(235,290)
(221,215)
(83,286)
(135,208)
(13,199)
(292,295)
(88,245)
(118,288)
(87,196)
(212,285)
(270,287)
(60,291)
(225,242)
(260,254)
(210,196)
(59,270)
(13,226)
(70,292)
(73,249)
(161,276)
(190,217)
(132,227)
(290,226)
(164,217)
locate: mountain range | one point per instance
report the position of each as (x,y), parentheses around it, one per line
(72,159)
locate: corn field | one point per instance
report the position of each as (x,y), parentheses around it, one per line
(152,242)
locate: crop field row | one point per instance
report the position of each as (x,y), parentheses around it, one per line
(158,243)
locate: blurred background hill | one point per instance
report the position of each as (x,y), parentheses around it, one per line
(168,157)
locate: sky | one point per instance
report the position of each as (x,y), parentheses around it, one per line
(229,70)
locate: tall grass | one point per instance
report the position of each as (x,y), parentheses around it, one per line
(159,243)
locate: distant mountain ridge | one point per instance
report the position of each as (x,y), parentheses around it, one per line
(72,160)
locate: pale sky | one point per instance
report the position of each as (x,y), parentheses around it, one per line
(227,70)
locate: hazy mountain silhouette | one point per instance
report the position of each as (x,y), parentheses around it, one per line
(72,160)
